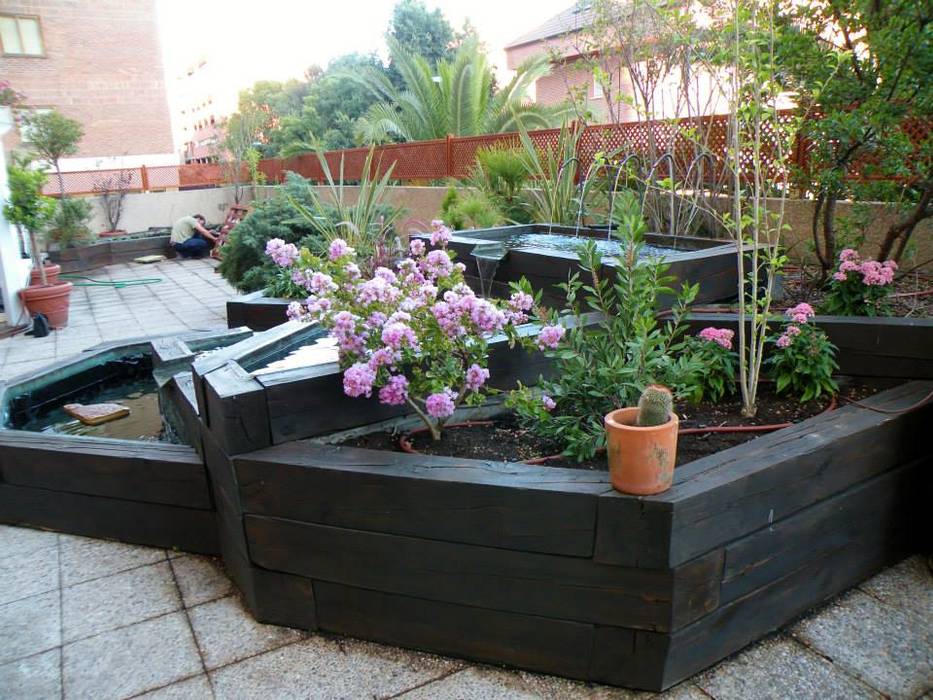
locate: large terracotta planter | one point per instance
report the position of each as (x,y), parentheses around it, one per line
(49,299)
(52,271)
(641,459)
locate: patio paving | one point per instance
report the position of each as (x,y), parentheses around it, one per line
(84,618)
(189,296)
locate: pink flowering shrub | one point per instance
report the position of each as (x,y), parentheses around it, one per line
(802,359)
(713,348)
(859,287)
(415,335)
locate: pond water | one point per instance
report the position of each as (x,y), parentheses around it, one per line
(143,423)
(562,243)
(320,351)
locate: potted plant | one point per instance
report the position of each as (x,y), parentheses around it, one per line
(28,209)
(642,443)
(112,190)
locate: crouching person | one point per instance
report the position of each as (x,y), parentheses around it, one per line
(191,238)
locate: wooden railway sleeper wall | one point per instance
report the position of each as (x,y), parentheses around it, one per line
(549,569)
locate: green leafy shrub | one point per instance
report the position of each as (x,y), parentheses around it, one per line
(471,209)
(68,227)
(802,359)
(244,263)
(605,365)
(501,174)
(713,348)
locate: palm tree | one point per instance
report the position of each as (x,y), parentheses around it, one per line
(458,99)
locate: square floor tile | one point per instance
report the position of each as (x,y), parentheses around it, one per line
(118,600)
(909,585)
(36,677)
(200,579)
(226,632)
(486,683)
(321,667)
(781,668)
(30,625)
(84,558)
(25,575)
(887,648)
(23,540)
(131,660)
(197,688)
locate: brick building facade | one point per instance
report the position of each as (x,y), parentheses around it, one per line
(97,61)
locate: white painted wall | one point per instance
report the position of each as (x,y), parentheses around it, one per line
(14,270)
(74,165)
(143,210)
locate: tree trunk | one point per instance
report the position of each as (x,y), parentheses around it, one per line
(61,180)
(904,229)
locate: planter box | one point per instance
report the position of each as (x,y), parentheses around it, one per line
(900,348)
(256,311)
(151,493)
(109,252)
(551,570)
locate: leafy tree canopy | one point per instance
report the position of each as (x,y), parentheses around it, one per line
(418,31)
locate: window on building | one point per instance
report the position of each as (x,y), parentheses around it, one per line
(597,88)
(20,36)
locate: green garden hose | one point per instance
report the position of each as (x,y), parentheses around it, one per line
(116,284)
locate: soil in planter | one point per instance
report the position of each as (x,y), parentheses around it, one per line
(505,440)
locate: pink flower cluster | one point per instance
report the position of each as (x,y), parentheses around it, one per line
(283,254)
(549,337)
(416,333)
(874,273)
(720,336)
(799,314)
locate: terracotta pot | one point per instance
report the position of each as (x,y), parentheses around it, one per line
(641,459)
(112,234)
(52,271)
(49,299)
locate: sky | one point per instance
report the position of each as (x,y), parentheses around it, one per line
(278,39)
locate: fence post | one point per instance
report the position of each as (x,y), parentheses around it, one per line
(449,156)
(144,178)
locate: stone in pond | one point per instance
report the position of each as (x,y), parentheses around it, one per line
(96,413)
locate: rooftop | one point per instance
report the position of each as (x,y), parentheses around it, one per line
(570,20)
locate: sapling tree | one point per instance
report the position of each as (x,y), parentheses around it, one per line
(112,189)
(27,208)
(53,136)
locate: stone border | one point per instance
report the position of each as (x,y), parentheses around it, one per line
(256,311)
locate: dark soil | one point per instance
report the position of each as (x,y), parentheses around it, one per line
(800,285)
(503,439)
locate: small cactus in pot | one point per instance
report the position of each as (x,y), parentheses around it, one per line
(641,443)
(654,406)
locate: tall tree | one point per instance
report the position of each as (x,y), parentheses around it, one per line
(53,136)
(418,31)
(861,70)
(456,97)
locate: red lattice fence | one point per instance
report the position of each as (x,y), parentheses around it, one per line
(453,157)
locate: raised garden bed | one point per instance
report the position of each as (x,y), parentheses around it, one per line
(112,250)
(256,311)
(151,492)
(539,567)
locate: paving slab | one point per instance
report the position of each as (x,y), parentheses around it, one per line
(24,540)
(200,579)
(321,667)
(36,677)
(909,586)
(226,632)
(118,600)
(85,559)
(29,574)
(196,688)
(781,668)
(30,626)
(131,660)
(486,683)
(887,648)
